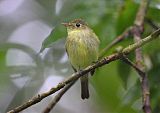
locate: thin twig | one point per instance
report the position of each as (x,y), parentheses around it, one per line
(151,23)
(56,99)
(139,27)
(125,34)
(75,76)
(129,62)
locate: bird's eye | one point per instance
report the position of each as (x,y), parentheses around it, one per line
(78,24)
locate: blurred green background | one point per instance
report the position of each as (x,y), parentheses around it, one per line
(24,72)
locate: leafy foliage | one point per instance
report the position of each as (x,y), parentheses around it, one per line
(57,33)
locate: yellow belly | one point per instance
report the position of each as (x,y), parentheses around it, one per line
(81,52)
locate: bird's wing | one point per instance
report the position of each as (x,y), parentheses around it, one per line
(71,64)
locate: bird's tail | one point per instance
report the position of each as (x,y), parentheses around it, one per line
(84,87)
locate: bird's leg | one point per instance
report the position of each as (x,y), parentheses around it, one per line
(92,72)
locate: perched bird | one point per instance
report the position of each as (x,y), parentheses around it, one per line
(82,48)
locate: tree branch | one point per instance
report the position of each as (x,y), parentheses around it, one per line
(151,23)
(127,61)
(125,34)
(56,99)
(138,30)
(76,75)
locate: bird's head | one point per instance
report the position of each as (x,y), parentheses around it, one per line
(77,24)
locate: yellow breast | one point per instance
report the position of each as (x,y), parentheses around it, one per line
(82,48)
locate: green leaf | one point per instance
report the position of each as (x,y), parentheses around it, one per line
(4,79)
(126,16)
(57,33)
(2,59)
(154,14)
(154,80)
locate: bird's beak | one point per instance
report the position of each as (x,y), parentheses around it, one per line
(65,24)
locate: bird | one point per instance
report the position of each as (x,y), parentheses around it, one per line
(82,47)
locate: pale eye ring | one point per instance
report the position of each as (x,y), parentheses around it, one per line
(78,24)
